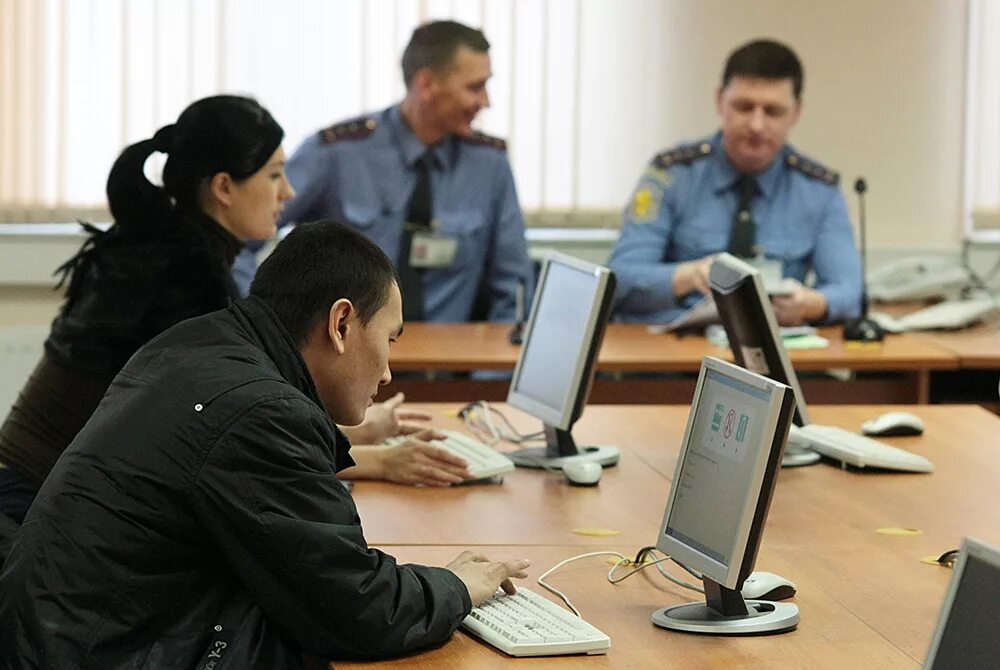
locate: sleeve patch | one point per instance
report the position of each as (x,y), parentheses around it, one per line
(646,203)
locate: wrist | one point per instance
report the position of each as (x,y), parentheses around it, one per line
(682,284)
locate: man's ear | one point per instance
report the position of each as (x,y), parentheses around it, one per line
(425,83)
(341,324)
(221,187)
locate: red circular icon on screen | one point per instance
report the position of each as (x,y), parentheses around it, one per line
(727,430)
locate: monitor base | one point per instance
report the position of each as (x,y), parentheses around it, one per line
(537,457)
(765,618)
(796,456)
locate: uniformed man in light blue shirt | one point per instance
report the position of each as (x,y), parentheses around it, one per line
(469,255)
(746,191)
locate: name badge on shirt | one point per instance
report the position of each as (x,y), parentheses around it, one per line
(432,250)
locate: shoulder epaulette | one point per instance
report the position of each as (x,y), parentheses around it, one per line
(484,140)
(812,169)
(355,129)
(682,155)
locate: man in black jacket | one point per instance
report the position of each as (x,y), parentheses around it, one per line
(197,520)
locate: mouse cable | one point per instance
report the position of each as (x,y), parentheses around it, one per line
(640,561)
(541,579)
(612,578)
(478,418)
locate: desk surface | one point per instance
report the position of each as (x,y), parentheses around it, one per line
(866,599)
(976,348)
(632,348)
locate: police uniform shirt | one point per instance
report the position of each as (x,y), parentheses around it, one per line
(363,172)
(682,210)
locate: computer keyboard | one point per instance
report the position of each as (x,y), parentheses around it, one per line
(857,450)
(527,624)
(484,461)
(947,315)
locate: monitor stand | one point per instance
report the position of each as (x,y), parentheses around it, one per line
(559,449)
(797,452)
(725,612)
(796,456)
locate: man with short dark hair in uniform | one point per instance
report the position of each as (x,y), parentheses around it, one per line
(746,191)
(435,195)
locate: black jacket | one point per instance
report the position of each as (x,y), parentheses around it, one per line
(201,501)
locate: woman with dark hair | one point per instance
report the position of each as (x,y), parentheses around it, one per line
(166,258)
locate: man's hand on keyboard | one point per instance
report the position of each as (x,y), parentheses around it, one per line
(417,462)
(387,419)
(482,576)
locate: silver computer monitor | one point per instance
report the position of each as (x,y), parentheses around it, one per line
(556,366)
(965,636)
(721,492)
(752,329)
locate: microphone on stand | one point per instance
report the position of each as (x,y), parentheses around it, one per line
(863,329)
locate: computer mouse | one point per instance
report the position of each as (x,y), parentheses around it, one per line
(893,423)
(583,473)
(767,586)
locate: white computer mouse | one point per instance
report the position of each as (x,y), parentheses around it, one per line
(893,423)
(583,473)
(767,586)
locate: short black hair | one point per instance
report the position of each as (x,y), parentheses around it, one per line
(434,45)
(316,265)
(765,59)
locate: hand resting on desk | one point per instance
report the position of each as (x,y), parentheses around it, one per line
(415,461)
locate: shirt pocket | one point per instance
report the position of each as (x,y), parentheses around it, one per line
(469,229)
(701,233)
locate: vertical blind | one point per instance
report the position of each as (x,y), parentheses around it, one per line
(982,123)
(80,79)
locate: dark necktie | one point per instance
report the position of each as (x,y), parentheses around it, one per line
(743,236)
(419,213)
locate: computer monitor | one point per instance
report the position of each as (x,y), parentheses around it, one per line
(965,636)
(721,492)
(752,330)
(556,366)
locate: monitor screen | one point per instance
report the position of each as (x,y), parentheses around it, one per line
(752,330)
(556,366)
(965,635)
(725,473)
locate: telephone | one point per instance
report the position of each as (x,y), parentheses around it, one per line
(917,278)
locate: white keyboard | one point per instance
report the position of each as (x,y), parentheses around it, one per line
(947,315)
(950,314)
(484,461)
(857,450)
(526,624)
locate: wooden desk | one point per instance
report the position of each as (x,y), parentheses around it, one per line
(897,370)
(977,348)
(866,600)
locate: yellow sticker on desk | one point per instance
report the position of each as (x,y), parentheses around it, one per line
(850,344)
(899,532)
(597,532)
